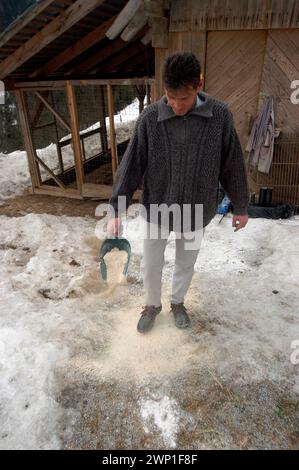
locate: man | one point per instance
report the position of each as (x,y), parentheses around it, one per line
(182,146)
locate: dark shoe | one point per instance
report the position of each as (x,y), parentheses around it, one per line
(180,315)
(147,319)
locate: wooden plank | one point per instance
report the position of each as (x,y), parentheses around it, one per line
(123,56)
(194,15)
(229,57)
(75,130)
(53,111)
(147,38)
(276,83)
(78,48)
(42,126)
(138,21)
(154,8)
(55,191)
(50,32)
(239,56)
(103,191)
(98,57)
(135,59)
(159,32)
(37,114)
(58,147)
(103,127)
(112,129)
(160,56)
(48,170)
(60,84)
(123,18)
(23,20)
(26,131)
(279,49)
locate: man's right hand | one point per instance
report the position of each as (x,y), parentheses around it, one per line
(114,227)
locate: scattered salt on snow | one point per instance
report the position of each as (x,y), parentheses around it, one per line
(54,308)
(164,414)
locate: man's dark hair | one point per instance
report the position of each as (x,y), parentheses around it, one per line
(181,69)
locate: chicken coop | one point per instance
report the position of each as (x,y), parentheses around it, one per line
(77,133)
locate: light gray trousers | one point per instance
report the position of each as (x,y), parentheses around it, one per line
(153,261)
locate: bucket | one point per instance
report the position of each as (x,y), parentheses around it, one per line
(265,197)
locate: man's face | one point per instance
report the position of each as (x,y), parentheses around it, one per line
(182,99)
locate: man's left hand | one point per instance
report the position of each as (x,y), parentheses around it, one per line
(239,221)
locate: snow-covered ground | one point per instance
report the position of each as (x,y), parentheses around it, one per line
(74,372)
(58,319)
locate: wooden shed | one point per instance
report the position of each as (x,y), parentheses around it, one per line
(249,49)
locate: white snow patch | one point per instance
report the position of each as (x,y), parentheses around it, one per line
(164,414)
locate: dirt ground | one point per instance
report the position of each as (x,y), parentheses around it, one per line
(43,204)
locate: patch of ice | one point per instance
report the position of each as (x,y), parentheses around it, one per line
(162,413)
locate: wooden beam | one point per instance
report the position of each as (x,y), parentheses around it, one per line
(160,32)
(58,148)
(38,112)
(78,48)
(138,21)
(75,130)
(103,191)
(112,129)
(42,126)
(154,8)
(147,38)
(103,127)
(136,60)
(55,191)
(48,170)
(23,20)
(49,85)
(53,111)
(121,52)
(123,56)
(99,57)
(124,17)
(26,131)
(55,28)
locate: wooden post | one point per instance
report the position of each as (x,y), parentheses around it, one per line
(103,128)
(140,92)
(112,129)
(24,120)
(58,148)
(148,94)
(53,111)
(75,134)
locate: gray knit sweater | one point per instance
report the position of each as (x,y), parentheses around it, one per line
(182,158)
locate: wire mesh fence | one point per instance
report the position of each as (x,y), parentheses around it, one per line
(284,172)
(50,126)
(51,136)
